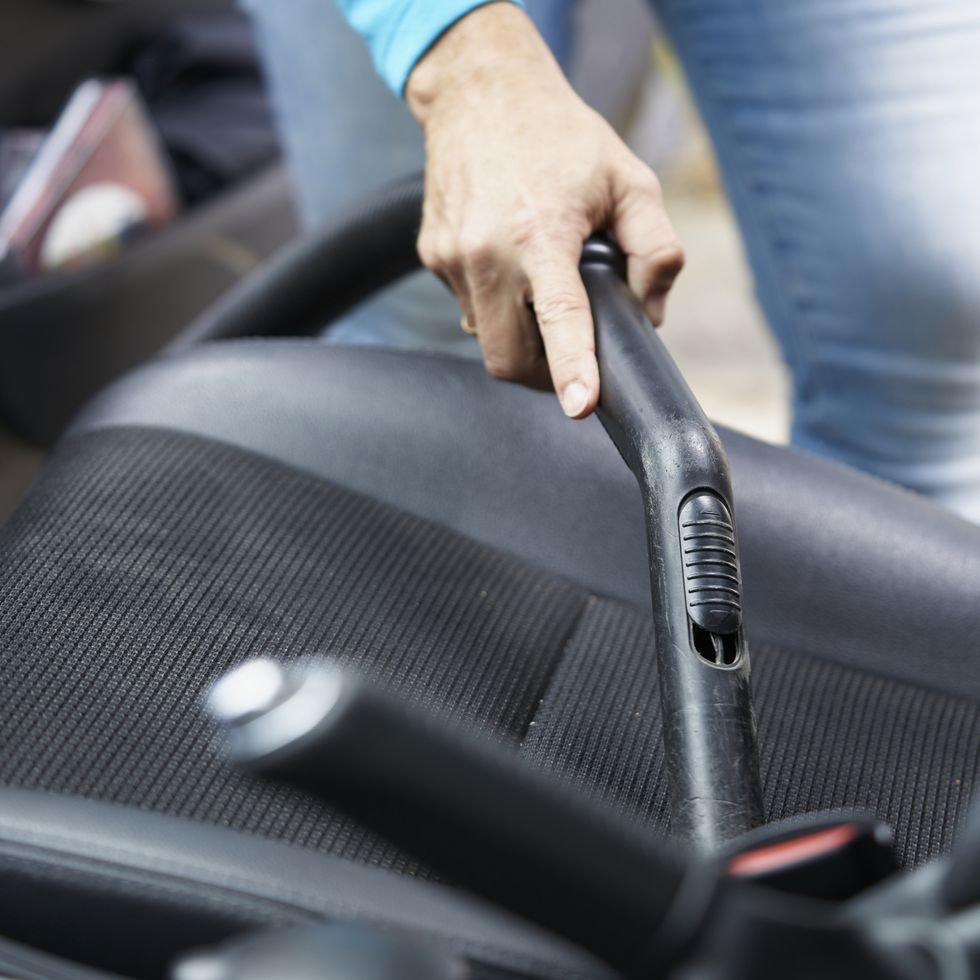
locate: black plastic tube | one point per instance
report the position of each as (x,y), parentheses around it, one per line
(682,470)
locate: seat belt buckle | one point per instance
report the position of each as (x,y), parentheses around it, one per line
(825,856)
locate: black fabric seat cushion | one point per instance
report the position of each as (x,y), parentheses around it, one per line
(146,562)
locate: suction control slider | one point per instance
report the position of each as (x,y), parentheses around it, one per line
(682,471)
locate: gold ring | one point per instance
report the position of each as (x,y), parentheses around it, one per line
(466,326)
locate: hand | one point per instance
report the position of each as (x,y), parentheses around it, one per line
(519,173)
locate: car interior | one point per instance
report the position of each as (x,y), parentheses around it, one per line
(323,661)
(449,539)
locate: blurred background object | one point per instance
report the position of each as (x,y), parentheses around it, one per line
(97,283)
(49,46)
(99,177)
(66,334)
(17,149)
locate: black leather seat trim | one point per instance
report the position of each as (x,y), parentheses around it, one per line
(836,564)
(221,881)
(25,963)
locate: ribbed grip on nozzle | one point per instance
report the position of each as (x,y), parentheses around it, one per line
(711,575)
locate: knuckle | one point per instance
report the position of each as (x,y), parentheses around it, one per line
(525,227)
(548,232)
(476,252)
(642,183)
(509,363)
(425,247)
(431,251)
(649,184)
(558,307)
(533,227)
(498,370)
(670,257)
(565,366)
(501,365)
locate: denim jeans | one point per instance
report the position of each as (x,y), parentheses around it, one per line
(848,133)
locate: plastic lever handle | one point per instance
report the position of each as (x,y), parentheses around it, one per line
(468,809)
(681,467)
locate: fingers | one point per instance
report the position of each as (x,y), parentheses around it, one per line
(564,319)
(644,232)
(491,291)
(553,346)
(509,338)
(498,263)
(532,317)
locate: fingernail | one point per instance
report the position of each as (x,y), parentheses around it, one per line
(574,399)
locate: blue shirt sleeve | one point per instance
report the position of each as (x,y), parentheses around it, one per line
(399,32)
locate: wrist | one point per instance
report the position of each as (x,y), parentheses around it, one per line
(494,46)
